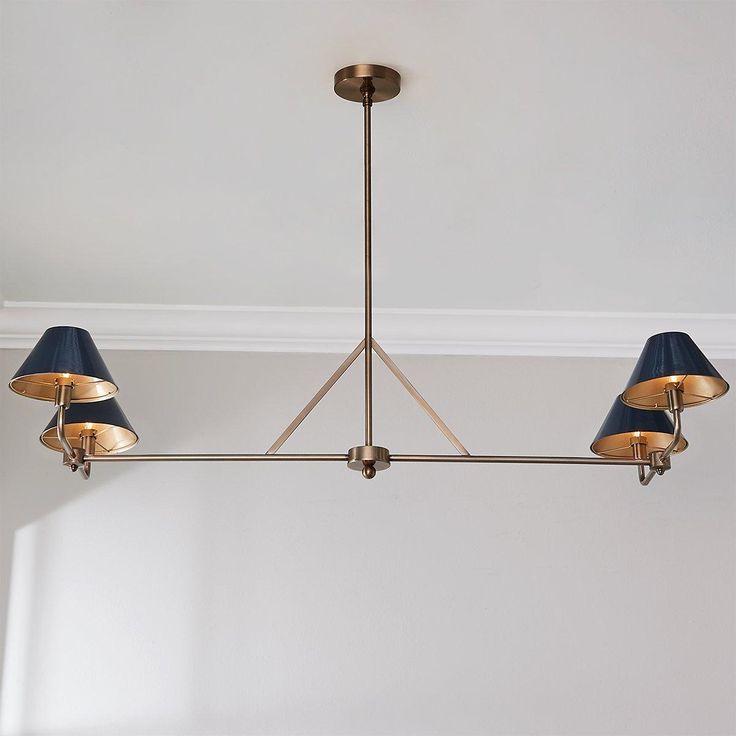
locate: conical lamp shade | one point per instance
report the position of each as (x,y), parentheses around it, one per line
(64,354)
(625,426)
(113,432)
(672,357)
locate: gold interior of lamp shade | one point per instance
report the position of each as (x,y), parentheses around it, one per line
(622,445)
(696,390)
(109,438)
(43,386)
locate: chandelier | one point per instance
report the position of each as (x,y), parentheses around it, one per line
(89,426)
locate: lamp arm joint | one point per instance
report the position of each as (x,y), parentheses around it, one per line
(659,462)
(645,476)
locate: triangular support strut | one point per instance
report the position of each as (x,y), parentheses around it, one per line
(335,377)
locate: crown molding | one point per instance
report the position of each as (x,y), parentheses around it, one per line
(338,330)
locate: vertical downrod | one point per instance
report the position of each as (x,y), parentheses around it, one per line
(366,84)
(367,91)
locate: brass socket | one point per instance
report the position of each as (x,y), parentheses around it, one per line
(639,447)
(674,397)
(63,394)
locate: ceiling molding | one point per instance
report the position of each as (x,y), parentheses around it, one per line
(338,330)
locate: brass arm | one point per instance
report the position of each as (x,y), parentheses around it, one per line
(62,400)
(659,461)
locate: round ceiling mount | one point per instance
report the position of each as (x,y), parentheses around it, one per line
(349,80)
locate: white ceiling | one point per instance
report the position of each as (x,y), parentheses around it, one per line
(545,156)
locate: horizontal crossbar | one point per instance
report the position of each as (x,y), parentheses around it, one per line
(499,459)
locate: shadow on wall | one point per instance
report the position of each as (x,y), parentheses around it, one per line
(115,570)
(235,598)
(33,482)
(41,521)
(100,588)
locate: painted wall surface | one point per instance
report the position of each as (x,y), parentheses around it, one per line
(301,599)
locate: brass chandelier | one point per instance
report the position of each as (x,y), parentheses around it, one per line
(66,368)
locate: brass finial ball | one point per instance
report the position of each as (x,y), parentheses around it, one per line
(368,471)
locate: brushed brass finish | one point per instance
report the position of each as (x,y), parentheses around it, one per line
(515,459)
(43,386)
(88,448)
(675,400)
(431,413)
(656,446)
(497,459)
(368,456)
(216,457)
(659,459)
(328,384)
(88,437)
(659,463)
(639,450)
(696,390)
(73,438)
(59,432)
(350,79)
(623,444)
(367,91)
(63,394)
(109,438)
(675,397)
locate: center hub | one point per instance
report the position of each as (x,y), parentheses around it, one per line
(368,459)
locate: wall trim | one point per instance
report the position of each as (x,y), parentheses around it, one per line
(338,330)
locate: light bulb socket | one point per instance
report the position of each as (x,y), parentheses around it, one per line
(674,397)
(63,394)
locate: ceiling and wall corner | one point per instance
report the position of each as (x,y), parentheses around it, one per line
(334,330)
(195,154)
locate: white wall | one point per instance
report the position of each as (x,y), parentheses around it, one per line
(301,599)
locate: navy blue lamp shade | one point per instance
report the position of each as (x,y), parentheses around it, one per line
(672,357)
(113,432)
(624,426)
(63,355)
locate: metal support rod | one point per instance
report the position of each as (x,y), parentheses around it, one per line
(497,459)
(63,441)
(89,441)
(431,413)
(515,459)
(677,421)
(328,384)
(215,458)
(659,461)
(675,404)
(645,476)
(640,453)
(367,92)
